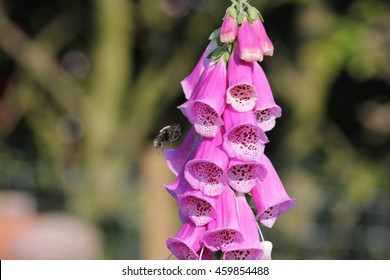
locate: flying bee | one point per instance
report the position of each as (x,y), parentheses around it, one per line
(169,133)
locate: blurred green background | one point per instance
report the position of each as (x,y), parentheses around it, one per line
(86,85)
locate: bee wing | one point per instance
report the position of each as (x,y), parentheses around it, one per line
(162,130)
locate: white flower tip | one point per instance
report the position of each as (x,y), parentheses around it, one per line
(267,249)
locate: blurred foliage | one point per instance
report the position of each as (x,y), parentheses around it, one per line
(85,85)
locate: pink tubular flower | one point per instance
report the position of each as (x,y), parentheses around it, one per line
(266,110)
(243,175)
(241,93)
(187,242)
(205,107)
(270,197)
(207,171)
(250,248)
(243,138)
(177,158)
(229,29)
(224,232)
(190,82)
(261,35)
(248,46)
(200,209)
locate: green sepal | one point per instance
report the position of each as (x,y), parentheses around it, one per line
(216,53)
(215,35)
(241,16)
(226,56)
(254,14)
(232,12)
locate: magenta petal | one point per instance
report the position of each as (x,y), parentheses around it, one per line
(250,248)
(266,110)
(190,82)
(200,209)
(187,242)
(205,107)
(176,158)
(243,175)
(207,171)
(223,232)
(248,46)
(242,93)
(270,197)
(262,37)
(178,187)
(243,138)
(229,30)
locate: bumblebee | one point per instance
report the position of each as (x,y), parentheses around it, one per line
(168,133)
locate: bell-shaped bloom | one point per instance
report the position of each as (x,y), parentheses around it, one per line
(205,107)
(190,82)
(244,175)
(187,242)
(177,158)
(223,232)
(243,138)
(266,246)
(229,29)
(179,186)
(250,248)
(266,111)
(200,209)
(207,170)
(269,197)
(242,93)
(248,46)
(262,37)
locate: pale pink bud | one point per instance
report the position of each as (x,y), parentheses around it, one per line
(229,30)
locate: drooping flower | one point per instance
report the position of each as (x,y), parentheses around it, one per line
(261,35)
(190,82)
(248,46)
(177,158)
(200,209)
(242,93)
(266,110)
(187,243)
(269,196)
(243,138)
(207,170)
(250,248)
(229,28)
(206,105)
(224,232)
(244,175)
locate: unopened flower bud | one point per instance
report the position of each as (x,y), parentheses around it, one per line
(229,29)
